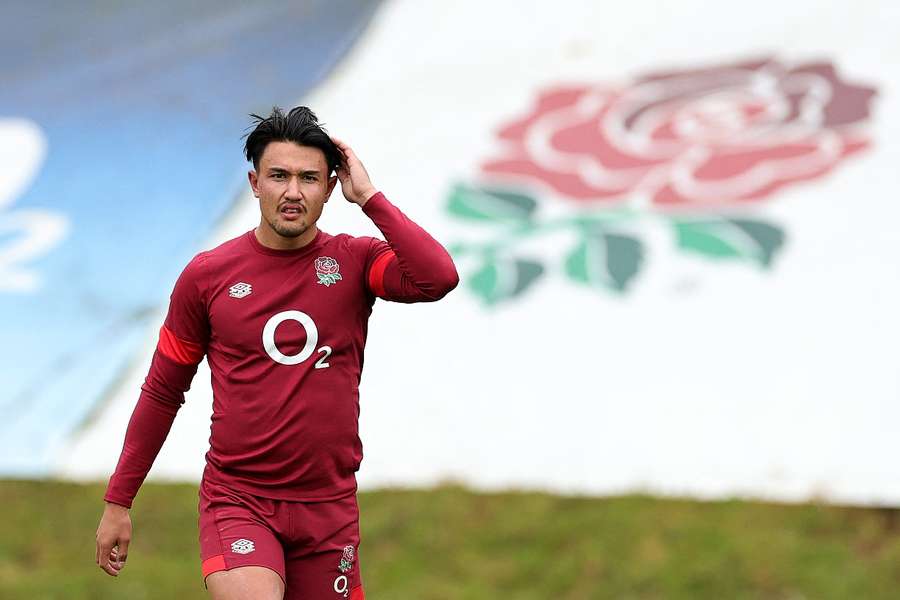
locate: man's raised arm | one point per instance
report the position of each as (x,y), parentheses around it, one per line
(412,266)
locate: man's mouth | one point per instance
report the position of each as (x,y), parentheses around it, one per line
(292,211)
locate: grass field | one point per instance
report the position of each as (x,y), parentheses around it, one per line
(451,543)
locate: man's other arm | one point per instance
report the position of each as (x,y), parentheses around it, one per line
(181,346)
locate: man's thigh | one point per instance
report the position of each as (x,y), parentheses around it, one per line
(236,539)
(245,583)
(320,576)
(323,563)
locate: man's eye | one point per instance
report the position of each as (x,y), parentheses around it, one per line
(278,176)
(309,177)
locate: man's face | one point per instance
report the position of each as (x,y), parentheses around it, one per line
(292,185)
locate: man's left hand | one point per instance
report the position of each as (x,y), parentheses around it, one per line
(355,182)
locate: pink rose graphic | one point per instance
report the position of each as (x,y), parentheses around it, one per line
(326,265)
(693,138)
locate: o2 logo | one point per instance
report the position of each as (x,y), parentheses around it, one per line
(25,234)
(341,584)
(312,339)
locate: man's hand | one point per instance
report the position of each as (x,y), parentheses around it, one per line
(113,536)
(355,182)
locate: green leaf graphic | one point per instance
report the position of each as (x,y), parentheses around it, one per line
(608,260)
(486,204)
(502,279)
(770,238)
(742,239)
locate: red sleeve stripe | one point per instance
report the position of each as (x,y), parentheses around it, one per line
(179,350)
(376,272)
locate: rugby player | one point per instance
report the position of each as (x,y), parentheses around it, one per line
(280,313)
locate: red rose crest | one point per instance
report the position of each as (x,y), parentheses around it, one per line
(702,141)
(327,270)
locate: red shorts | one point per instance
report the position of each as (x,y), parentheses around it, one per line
(313,546)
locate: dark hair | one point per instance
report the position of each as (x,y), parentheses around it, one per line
(300,126)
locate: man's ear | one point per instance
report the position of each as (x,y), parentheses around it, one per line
(331,183)
(254,182)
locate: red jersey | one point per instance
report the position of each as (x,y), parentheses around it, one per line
(283,332)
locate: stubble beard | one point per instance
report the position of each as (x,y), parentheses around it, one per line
(288,230)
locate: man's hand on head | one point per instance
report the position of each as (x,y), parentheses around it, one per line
(355,182)
(113,537)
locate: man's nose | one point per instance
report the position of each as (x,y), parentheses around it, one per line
(293,189)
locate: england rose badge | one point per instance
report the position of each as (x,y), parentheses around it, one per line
(327,270)
(347,559)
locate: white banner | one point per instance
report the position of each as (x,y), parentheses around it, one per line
(676,227)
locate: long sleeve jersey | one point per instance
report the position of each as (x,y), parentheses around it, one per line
(283,332)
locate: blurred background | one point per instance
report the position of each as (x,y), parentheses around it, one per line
(670,369)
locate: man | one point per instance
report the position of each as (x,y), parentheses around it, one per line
(281,314)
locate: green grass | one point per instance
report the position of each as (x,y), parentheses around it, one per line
(451,543)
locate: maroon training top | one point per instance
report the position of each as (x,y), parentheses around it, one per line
(283,332)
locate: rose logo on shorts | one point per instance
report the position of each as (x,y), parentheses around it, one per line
(347,559)
(242,546)
(327,270)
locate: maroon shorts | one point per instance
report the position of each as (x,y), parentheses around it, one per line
(313,546)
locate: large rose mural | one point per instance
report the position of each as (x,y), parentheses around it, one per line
(686,145)
(709,136)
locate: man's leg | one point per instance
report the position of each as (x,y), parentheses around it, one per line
(321,576)
(240,553)
(323,563)
(245,583)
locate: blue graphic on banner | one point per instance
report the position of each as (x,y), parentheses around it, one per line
(120,149)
